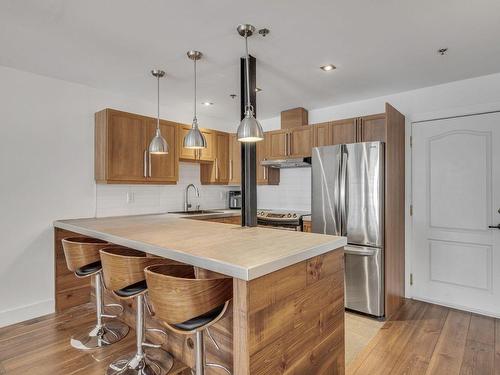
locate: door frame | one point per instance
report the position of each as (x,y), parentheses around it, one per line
(475,110)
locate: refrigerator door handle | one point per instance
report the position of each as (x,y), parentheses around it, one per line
(343,191)
(363,251)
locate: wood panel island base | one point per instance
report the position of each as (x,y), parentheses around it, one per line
(287,312)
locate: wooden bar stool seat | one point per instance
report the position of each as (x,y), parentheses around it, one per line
(123,271)
(189,305)
(82,257)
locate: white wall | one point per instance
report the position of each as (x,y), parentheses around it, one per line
(474,95)
(46,169)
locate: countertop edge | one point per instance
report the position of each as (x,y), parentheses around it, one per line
(207,263)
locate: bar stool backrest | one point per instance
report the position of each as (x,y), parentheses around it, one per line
(177,296)
(81,251)
(123,267)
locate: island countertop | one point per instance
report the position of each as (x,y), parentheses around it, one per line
(240,252)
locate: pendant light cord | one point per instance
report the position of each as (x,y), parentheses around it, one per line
(249,106)
(158,98)
(195,119)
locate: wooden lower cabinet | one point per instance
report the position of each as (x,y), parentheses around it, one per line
(226,220)
(307,226)
(121,149)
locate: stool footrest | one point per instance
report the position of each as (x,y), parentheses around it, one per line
(216,365)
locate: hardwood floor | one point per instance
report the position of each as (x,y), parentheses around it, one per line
(421,339)
(432,340)
(41,346)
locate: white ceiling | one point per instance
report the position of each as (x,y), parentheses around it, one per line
(379,47)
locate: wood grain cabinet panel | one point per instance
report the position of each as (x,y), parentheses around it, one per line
(278,144)
(234,160)
(300,142)
(322,134)
(185,154)
(164,167)
(343,131)
(121,149)
(209,153)
(197,155)
(217,172)
(266,175)
(372,128)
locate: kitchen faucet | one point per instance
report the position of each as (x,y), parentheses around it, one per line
(188,205)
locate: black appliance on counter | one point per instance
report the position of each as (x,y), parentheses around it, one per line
(235,199)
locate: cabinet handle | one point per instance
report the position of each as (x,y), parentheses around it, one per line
(149,165)
(230,169)
(265,173)
(286,144)
(290,145)
(145,163)
(216,169)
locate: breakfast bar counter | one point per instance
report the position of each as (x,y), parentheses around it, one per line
(287,313)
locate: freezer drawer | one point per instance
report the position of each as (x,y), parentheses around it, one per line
(364,280)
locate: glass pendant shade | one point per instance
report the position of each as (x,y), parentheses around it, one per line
(158,144)
(195,139)
(250,129)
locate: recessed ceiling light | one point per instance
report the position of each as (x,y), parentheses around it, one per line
(258,89)
(207,104)
(328,67)
(442,51)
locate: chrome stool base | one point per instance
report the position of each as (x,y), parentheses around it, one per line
(154,362)
(95,337)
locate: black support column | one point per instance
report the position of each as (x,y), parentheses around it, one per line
(248,151)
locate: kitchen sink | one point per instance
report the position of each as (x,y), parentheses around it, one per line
(196,212)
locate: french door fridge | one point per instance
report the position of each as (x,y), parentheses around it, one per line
(348,200)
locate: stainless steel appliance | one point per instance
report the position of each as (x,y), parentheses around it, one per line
(348,200)
(235,199)
(280,219)
(288,163)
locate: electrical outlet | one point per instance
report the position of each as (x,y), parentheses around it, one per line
(130,197)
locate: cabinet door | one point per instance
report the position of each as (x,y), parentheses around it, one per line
(208,154)
(222,157)
(127,156)
(185,153)
(300,140)
(266,175)
(343,131)
(372,128)
(163,167)
(278,148)
(234,160)
(322,134)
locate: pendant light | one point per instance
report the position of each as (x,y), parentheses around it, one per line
(194,139)
(158,144)
(250,129)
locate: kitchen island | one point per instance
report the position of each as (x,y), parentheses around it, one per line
(288,296)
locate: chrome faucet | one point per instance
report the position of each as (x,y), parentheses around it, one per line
(188,205)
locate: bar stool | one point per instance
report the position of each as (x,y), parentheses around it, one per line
(123,271)
(82,258)
(187,305)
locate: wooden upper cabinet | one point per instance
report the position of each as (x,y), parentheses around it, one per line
(185,153)
(217,172)
(295,117)
(278,144)
(163,167)
(372,128)
(290,143)
(322,134)
(266,175)
(344,131)
(208,154)
(121,144)
(234,160)
(300,142)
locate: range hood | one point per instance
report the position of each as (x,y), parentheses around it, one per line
(287,163)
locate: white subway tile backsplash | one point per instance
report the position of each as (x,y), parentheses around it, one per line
(111,200)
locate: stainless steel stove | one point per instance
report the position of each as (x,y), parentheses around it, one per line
(281,219)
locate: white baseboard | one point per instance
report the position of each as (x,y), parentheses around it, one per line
(459,307)
(26,312)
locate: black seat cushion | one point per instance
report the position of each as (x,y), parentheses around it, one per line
(88,269)
(201,320)
(133,289)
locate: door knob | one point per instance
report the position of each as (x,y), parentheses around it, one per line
(494,226)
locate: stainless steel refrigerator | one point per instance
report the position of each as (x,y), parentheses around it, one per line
(348,200)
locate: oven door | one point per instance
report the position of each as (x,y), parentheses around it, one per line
(281,225)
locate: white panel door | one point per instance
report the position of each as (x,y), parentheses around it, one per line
(456,197)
